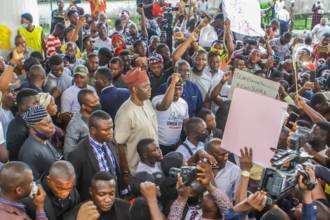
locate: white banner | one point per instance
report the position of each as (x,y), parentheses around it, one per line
(245,16)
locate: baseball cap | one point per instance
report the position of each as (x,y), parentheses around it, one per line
(80,70)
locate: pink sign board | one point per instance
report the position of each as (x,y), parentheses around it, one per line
(254,121)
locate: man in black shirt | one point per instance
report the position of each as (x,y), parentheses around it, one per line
(18,131)
(103,194)
(61,194)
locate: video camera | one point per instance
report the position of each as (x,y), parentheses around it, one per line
(300,137)
(188,173)
(280,179)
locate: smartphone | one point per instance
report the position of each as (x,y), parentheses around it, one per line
(292,119)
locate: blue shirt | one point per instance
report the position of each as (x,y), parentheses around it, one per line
(191,94)
(112,98)
(100,151)
(130,40)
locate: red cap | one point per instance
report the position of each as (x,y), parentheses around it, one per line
(135,77)
(311,67)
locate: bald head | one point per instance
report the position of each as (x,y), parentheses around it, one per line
(62,170)
(14,174)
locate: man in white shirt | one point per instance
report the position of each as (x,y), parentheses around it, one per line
(69,99)
(102,40)
(171,112)
(211,75)
(197,133)
(228,175)
(150,156)
(320,29)
(283,16)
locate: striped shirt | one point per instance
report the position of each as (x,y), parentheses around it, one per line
(52,43)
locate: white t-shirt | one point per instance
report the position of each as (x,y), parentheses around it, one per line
(283,15)
(170,121)
(318,32)
(2,136)
(99,43)
(146,168)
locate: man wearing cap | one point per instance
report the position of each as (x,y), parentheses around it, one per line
(37,151)
(156,74)
(69,100)
(33,34)
(135,120)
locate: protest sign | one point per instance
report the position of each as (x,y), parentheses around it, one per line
(253,83)
(254,121)
(245,16)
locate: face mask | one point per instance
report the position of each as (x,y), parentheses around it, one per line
(42,135)
(25,25)
(96,107)
(34,190)
(203,137)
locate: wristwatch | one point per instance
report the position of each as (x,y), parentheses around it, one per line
(245,173)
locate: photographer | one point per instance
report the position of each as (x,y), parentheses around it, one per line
(205,178)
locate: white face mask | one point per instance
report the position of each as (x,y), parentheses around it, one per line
(25,25)
(34,190)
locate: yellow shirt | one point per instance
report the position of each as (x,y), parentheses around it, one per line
(33,39)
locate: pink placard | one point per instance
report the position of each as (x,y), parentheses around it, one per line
(255,121)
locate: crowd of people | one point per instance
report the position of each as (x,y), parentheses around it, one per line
(125,121)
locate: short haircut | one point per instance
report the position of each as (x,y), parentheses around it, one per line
(139,210)
(124,53)
(106,52)
(30,62)
(37,55)
(160,46)
(198,53)
(35,72)
(317,98)
(137,42)
(181,62)
(192,124)
(105,74)
(92,55)
(101,176)
(25,93)
(62,169)
(96,116)
(11,175)
(87,37)
(82,95)
(325,35)
(212,54)
(116,60)
(204,112)
(143,145)
(213,142)
(55,60)
(71,12)
(287,35)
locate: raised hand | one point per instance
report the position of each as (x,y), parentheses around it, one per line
(246,161)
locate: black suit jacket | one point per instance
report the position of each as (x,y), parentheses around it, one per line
(119,211)
(86,165)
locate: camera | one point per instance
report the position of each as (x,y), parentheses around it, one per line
(280,179)
(188,173)
(300,137)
